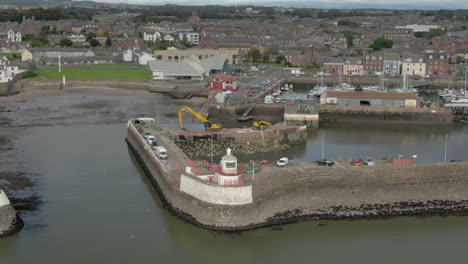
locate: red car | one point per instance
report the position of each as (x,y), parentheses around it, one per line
(356,163)
(250,94)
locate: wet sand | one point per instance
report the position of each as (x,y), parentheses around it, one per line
(33,108)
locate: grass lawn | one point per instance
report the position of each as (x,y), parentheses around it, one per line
(97,73)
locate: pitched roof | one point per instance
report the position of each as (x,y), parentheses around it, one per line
(372,95)
(226,78)
(190,66)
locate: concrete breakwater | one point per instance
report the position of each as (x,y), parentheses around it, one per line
(176,89)
(302,190)
(10,222)
(333,113)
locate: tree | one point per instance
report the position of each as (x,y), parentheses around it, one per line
(108,42)
(45,30)
(66,42)
(280,58)
(140,34)
(83,31)
(90,36)
(28,37)
(254,54)
(266,58)
(380,43)
(94,43)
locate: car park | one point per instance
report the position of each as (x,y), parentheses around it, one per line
(325,162)
(282,162)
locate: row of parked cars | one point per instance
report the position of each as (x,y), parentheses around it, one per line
(160,151)
(282,162)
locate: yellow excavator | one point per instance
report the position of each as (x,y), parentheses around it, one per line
(259,124)
(208,124)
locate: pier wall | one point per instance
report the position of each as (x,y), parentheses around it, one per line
(334,113)
(304,191)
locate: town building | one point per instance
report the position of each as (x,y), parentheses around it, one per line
(242,44)
(30,26)
(224,82)
(333,67)
(13,36)
(392,64)
(398,33)
(180,55)
(353,66)
(436,64)
(373,63)
(8,71)
(418,28)
(169,38)
(151,36)
(194,19)
(190,68)
(191,37)
(370,99)
(77,38)
(413,66)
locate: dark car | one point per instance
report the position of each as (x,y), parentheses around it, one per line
(325,162)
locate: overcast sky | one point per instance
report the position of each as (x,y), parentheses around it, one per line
(419,4)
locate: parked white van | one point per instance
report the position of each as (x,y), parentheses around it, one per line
(151,139)
(161,152)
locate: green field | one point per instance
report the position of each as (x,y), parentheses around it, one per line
(97,74)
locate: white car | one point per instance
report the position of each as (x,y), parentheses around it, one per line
(282,162)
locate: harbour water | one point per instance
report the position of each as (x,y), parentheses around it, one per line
(98,207)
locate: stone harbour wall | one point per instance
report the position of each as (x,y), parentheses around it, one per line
(333,113)
(304,191)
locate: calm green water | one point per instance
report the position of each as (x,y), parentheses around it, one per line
(98,207)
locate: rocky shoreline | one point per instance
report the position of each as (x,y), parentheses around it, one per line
(204,147)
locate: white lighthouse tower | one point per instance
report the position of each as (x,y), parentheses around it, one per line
(229,174)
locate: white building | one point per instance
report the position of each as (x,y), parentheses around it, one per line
(413,66)
(190,68)
(151,36)
(169,38)
(127,55)
(77,38)
(7,71)
(144,57)
(191,37)
(419,28)
(13,37)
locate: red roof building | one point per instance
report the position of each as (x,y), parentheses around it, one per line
(224,82)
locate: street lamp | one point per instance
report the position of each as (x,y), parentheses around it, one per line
(446,143)
(400,156)
(464,91)
(323,145)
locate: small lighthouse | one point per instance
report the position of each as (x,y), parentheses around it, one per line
(229,174)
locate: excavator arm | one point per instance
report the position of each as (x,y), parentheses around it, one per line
(260,123)
(207,123)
